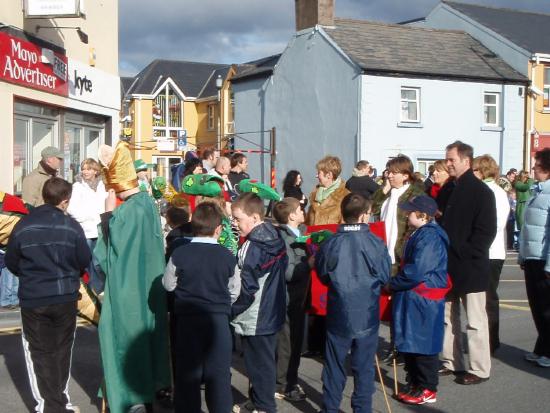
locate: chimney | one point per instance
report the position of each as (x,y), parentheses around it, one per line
(312,12)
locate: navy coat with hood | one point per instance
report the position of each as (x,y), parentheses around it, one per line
(417,320)
(354,264)
(260,308)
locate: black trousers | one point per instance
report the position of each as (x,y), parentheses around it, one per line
(290,341)
(48,337)
(538,293)
(259,359)
(422,370)
(203,354)
(492,303)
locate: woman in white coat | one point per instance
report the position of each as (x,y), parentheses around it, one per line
(486,169)
(86,205)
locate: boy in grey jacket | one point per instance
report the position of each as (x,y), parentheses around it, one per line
(290,216)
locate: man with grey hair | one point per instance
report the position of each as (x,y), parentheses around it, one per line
(47,168)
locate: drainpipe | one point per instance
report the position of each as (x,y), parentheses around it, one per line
(534,64)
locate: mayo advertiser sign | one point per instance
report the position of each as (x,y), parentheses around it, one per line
(21,63)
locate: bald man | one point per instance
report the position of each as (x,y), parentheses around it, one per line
(222,169)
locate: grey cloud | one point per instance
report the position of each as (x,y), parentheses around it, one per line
(235,31)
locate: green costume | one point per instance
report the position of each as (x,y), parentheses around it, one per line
(133,330)
(523,192)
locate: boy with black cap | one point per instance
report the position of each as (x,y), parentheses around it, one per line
(419,291)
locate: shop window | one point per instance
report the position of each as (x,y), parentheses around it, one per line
(410,104)
(491,109)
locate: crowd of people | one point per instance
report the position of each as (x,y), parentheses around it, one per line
(178,270)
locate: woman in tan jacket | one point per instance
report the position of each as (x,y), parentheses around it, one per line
(326,198)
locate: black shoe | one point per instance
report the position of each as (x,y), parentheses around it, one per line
(444,371)
(389,356)
(470,378)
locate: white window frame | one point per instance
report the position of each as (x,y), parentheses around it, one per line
(417,101)
(546,88)
(426,163)
(164,90)
(211,117)
(497,109)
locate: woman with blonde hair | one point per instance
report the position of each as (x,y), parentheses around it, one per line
(486,169)
(86,205)
(326,198)
(442,188)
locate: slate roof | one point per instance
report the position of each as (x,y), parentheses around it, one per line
(405,50)
(531,31)
(190,77)
(209,88)
(257,68)
(125,84)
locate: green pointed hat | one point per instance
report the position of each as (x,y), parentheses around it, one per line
(140,165)
(202,184)
(262,190)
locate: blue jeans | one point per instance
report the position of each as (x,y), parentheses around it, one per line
(362,367)
(9,284)
(97,277)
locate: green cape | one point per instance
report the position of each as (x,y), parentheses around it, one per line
(133,331)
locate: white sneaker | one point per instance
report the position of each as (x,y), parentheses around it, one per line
(531,357)
(543,361)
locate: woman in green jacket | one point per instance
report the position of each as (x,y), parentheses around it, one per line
(523,192)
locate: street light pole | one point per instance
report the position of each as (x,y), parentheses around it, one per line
(219,83)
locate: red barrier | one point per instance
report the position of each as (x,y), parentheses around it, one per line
(319,291)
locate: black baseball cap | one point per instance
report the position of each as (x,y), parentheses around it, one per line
(421,203)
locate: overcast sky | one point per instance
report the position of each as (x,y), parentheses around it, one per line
(236,31)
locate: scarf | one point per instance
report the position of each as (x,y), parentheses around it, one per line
(323,193)
(92,183)
(388,214)
(48,169)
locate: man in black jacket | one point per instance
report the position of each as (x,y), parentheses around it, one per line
(361,183)
(470,222)
(48,252)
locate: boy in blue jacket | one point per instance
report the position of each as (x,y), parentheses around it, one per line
(259,311)
(354,264)
(419,301)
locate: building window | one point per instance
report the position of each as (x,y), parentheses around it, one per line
(547,87)
(410,104)
(491,102)
(424,165)
(211,116)
(167,113)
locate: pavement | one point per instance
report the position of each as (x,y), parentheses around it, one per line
(515,385)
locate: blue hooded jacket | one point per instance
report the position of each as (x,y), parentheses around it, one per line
(417,319)
(354,264)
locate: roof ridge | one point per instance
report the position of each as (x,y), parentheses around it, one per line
(404,27)
(190,62)
(480,6)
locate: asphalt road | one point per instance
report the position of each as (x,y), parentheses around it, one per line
(515,386)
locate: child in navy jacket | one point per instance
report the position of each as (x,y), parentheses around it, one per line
(355,265)
(419,301)
(200,273)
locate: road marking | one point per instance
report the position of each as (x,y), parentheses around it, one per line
(511,265)
(512,281)
(514,307)
(514,301)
